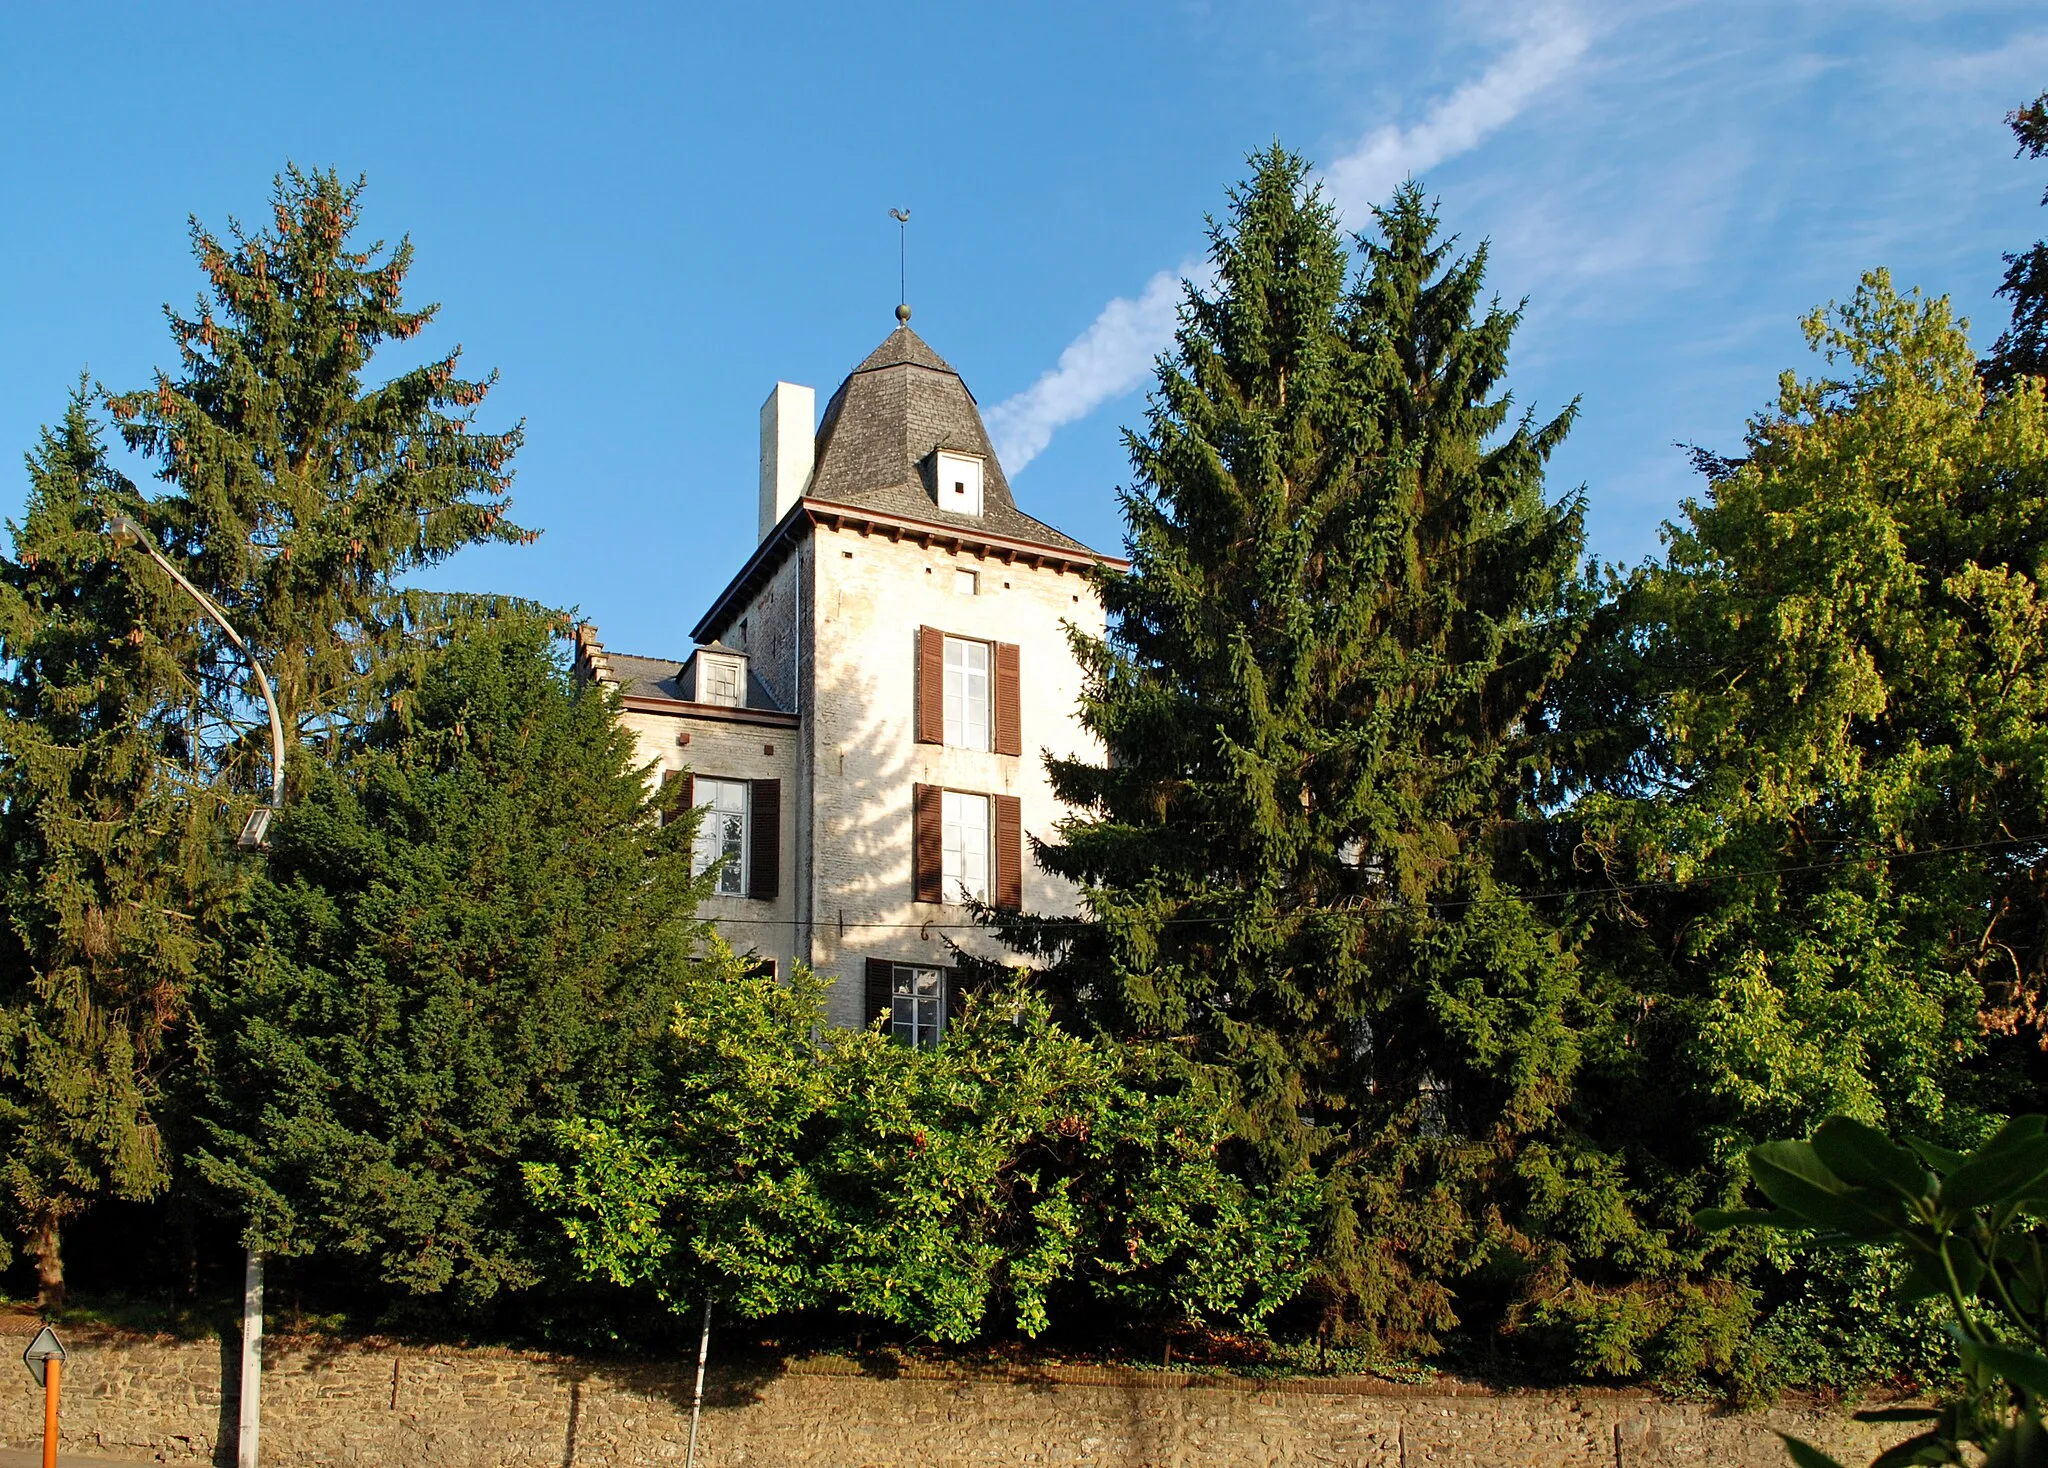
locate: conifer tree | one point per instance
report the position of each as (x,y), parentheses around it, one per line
(2023,349)
(105,851)
(474,927)
(1348,593)
(299,492)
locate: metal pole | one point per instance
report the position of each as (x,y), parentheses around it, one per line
(697,1401)
(128,529)
(249,1419)
(249,1423)
(53,1370)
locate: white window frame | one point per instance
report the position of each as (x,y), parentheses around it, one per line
(966,582)
(722,837)
(966,873)
(960,479)
(710,668)
(917,1004)
(969,693)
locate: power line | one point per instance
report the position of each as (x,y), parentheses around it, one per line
(1376,907)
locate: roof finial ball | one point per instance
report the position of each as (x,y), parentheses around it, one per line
(903,314)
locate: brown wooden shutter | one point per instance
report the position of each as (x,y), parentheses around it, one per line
(677,786)
(764,853)
(927,844)
(880,971)
(958,988)
(1009,852)
(1009,710)
(931,686)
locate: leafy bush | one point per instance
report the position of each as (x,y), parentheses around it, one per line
(783,1166)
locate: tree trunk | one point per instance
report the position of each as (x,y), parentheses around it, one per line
(46,1245)
(188,1246)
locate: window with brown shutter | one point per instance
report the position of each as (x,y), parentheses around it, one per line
(1009,852)
(764,852)
(678,792)
(927,844)
(911,1001)
(931,686)
(879,970)
(1009,709)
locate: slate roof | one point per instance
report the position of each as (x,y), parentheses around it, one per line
(666,678)
(881,428)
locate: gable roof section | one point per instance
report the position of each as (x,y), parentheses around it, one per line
(665,686)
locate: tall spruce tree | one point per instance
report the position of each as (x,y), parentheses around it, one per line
(105,850)
(300,493)
(1348,593)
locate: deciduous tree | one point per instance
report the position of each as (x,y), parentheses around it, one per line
(1015,1175)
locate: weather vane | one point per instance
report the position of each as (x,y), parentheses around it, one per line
(902,218)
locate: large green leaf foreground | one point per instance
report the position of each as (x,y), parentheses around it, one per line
(1972,1225)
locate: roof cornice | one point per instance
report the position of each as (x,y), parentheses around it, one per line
(808,513)
(718,712)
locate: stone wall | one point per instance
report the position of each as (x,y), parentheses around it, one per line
(160,1400)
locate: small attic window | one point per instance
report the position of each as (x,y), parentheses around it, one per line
(721,679)
(959,483)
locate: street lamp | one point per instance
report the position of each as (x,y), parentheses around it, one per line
(256,829)
(249,1421)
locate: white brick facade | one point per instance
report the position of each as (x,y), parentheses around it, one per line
(828,612)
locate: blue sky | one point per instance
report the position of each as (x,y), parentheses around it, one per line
(643,216)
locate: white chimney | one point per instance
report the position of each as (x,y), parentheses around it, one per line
(789,439)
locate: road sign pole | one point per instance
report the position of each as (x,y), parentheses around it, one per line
(53,1372)
(44,1359)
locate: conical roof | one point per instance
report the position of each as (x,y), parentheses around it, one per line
(882,428)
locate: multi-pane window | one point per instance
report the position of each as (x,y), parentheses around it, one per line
(963,839)
(966,693)
(917,1005)
(721,678)
(959,478)
(723,834)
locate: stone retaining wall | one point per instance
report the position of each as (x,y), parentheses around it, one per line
(161,1400)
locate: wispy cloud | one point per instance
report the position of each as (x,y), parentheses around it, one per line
(1548,48)
(1116,352)
(1106,361)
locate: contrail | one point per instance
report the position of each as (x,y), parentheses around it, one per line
(1116,352)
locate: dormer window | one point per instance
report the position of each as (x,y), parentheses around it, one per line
(959,483)
(721,678)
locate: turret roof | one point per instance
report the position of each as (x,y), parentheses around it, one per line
(882,428)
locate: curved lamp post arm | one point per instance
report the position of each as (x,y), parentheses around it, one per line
(249,1417)
(127,532)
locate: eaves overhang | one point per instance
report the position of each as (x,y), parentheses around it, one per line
(807,513)
(715,712)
